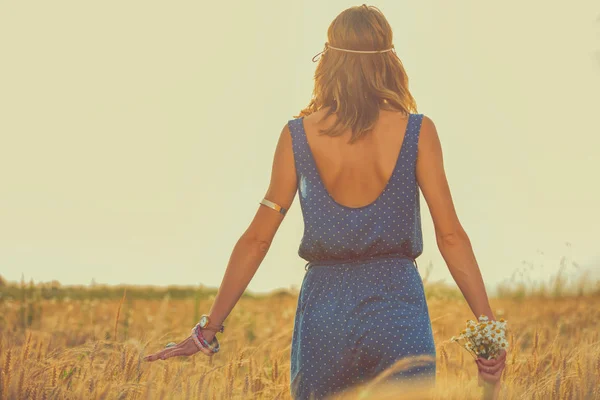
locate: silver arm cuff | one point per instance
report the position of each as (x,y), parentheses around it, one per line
(274,206)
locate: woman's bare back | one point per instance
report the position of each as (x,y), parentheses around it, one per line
(356,174)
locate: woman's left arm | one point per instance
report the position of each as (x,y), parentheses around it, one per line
(252,247)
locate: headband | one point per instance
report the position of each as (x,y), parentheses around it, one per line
(328,46)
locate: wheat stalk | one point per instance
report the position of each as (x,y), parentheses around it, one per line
(6,370)
(27,348)
(119,312)
(20,384)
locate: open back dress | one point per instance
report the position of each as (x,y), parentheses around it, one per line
(362,304)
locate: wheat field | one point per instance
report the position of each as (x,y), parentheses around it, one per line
(87,342)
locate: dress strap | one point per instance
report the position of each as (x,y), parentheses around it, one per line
(413,132)
(298,146)
(306,173)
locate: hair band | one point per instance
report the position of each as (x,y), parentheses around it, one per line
(328,46)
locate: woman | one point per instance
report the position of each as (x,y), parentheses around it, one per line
(357,155)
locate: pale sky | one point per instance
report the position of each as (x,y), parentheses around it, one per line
(136,138)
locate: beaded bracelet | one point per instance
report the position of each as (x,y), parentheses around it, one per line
(213,345)
(201,342)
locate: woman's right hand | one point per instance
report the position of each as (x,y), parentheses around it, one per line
(490,371)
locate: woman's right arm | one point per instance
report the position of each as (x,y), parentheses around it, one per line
(452,240)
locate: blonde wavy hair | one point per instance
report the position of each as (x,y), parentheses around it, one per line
(355,86)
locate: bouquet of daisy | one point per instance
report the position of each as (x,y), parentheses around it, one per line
(484,339)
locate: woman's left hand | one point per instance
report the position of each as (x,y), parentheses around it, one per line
(185,348)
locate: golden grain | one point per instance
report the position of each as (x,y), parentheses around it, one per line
(556,357)
(6,372)
(119,312)
(21,382)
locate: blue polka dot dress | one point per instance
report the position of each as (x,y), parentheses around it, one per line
(361,305)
